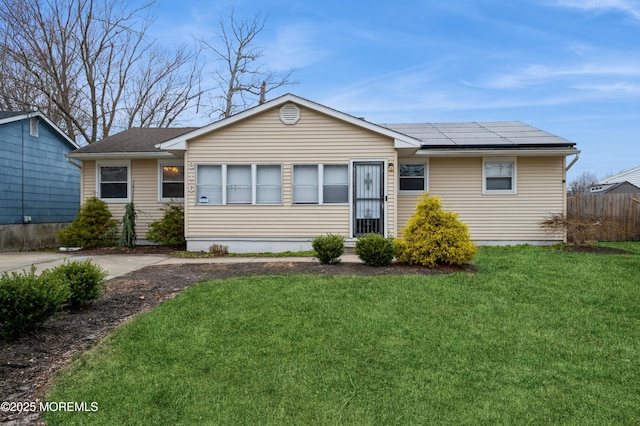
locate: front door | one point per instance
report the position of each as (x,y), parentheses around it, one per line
(368,198)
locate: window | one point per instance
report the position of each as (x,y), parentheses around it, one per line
(209,184)
(171,182)
(268,184)
(305,184)
(113,182)
(320,184)
(413,177)
(336,184)
(239,184)
(499,176)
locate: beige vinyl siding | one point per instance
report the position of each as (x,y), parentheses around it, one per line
(264,139)
(144,189)
(496,217)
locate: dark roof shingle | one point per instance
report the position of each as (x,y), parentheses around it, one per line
(136,139)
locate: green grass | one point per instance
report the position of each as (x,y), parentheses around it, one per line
(534,337)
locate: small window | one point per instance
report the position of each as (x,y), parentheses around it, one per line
(499,177)
(413,177)
(335,187)
(305,184)
(268,184)
(209,184)
(113,182)
(172,182)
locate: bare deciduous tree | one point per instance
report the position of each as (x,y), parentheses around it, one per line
(90,66)
(582,183)
(241,77)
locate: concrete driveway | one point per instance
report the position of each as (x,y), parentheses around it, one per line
(121,264)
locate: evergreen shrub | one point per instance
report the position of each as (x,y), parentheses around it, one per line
(93,227)
(434,236)
(375,249)
(27,300)
(328,248)
(170,229)
(86,281)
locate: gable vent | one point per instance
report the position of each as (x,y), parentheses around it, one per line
(289,114)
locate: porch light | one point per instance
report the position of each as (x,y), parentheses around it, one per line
(390,168)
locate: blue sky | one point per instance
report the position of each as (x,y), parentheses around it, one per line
(570,67)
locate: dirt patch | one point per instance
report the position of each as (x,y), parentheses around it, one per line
(27,364)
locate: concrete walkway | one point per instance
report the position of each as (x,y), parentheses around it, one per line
(121,264)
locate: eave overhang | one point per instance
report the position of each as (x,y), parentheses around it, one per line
(121,155)
(493,151)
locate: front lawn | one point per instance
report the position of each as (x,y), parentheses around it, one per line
(533,337)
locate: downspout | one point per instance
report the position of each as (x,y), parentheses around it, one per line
(70,161)
(573,161)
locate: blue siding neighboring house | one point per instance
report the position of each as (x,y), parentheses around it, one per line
(38,185)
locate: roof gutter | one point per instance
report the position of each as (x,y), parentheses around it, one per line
(73,163)
(496,152)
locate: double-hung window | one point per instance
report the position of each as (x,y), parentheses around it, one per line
(239,184)
(499,176)
(320,184)
(171,182)
(413,177)
(113,181)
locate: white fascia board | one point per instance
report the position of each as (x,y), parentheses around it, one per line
(121,155)
(497,152)
(400,140)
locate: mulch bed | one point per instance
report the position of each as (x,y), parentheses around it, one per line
(28,363)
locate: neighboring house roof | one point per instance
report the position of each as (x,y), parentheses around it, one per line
(10,116)
(133,142)
(615,188)
(632,176)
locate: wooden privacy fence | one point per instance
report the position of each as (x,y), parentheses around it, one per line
(603,217)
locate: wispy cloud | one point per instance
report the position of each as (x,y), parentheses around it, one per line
(630,7)
(537,74)
(295,46)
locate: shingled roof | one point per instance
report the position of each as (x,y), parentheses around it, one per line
(134,140)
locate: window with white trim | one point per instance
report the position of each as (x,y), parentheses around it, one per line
(320,184)
(239,184)
(171,182)
(412,177)
(113,182)
(499,176)
(209,184)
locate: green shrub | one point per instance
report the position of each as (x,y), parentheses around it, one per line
(328,248)
(170,229)
(93,227)
(27,300)
(86,281)
(434,236)
(128,234)
(375,249)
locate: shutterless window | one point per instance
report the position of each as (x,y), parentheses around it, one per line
(172,182)
(305,184)
(113,182)
(499,176)
(268,184)
(238,184)
(209,184)
(335,187)
(412,177)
